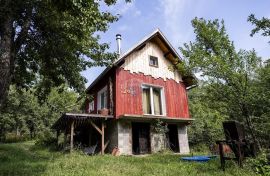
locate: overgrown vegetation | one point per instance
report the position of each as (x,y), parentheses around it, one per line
(234,85)
(261,164)
(27,159)
(24,117)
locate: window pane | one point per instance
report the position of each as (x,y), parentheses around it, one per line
(153,61)
(146,101)
(157,101)
(102,100)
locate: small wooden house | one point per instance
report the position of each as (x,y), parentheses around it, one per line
(130,99)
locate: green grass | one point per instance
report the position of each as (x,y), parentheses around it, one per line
(26,159)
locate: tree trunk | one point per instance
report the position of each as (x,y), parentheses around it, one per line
(6,58)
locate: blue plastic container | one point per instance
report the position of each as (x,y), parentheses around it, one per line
(196,158)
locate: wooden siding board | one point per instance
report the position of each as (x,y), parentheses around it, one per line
(129,94)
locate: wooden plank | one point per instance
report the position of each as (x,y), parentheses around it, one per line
(96,127)
(106,144)
(126,103)
(57,136)
(71,135)
(102,138)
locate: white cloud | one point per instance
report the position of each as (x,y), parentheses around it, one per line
(173,11)
(174,16)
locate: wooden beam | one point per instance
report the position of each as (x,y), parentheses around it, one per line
(167,54)
(57,136)
(71,135)
(106,144)
(102,138)
(96,127)
(90,137)
(65,137)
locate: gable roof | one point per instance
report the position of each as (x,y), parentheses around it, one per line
(158,37)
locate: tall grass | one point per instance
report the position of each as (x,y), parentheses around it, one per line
(27,159)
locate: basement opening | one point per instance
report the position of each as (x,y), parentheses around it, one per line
(140,138)
(172,138)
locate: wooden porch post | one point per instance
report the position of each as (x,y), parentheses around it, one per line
(65,137)
(71,135)
(102,138)
(57,136)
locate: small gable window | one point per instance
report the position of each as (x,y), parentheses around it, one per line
(153,61)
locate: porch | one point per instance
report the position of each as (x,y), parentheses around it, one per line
(89,129)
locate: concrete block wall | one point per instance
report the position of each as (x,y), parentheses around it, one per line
(157,141)
(183,139)
(125,137)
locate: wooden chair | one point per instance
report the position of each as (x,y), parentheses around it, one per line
(90,150)
(235,138)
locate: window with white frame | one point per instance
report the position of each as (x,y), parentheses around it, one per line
(153,100)
(102,98)
(91,106)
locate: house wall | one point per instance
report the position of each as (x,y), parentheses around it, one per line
(138,62)
(105,81)
(157,141)
(124,137)
(129,94)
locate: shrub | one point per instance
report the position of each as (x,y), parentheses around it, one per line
(200,148)
(260,164)
(46,138)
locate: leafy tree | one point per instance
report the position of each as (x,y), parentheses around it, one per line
(229,73)
(262,99)
(261,103)
(262,25)
(24,115)
(208,125)
(51,41)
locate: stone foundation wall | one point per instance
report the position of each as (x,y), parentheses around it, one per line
(157,141)
(183,139)
(125,137)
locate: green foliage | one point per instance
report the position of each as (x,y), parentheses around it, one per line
(207,127)
(260,164)
(230,74)
(262,25)
(25,116)
(13,137)
(51,42)
(160,127)
(26,159)
(261,103)
(46,138)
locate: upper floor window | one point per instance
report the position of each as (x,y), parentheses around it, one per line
(153,100)
(102,98)
(91,106)
(153,61)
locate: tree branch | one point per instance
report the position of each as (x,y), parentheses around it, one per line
(24,31)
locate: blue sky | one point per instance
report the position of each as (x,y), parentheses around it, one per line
(173,18)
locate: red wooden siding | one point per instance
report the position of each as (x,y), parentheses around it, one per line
(129,94)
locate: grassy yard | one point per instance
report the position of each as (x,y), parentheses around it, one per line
(27,159)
